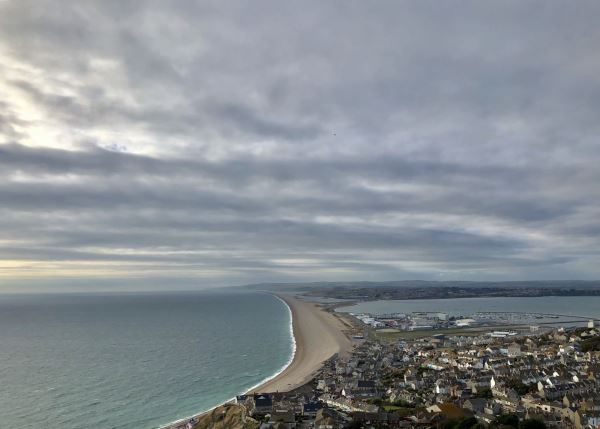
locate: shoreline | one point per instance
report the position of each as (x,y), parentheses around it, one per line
(316,336)
(292,328)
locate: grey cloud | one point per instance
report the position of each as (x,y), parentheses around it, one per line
(334,191)
(300,140)
(246,119)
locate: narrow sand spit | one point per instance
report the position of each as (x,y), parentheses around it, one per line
(319,335)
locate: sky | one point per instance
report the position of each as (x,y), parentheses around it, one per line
(186,144)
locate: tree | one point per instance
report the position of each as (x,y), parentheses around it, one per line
(518,386)
(467,423)
(511,420)
(485,392)
(532,424)
(591,344)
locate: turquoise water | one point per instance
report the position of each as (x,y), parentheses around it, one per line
(124,361)
(585,306)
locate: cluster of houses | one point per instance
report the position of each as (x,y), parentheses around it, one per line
(429,381)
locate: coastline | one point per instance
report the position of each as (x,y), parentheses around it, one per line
(294,349)
(316,336)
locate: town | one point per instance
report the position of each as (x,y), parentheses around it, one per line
(532,378)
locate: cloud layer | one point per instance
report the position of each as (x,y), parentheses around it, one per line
(207,144)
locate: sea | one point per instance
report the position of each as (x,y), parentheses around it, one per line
(134,360)
(556,310)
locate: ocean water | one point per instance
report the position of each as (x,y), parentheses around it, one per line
(133,361)
(581,306)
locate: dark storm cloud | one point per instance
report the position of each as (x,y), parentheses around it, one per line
(331,140)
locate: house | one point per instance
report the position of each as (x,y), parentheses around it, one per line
(263,403)
(449,411)
(514,350)
(327,418)
(365,388)
(365,385)
(284,416)
(587,419)
(311,408)
(476,405)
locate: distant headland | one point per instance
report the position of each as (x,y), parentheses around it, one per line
(422,289)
